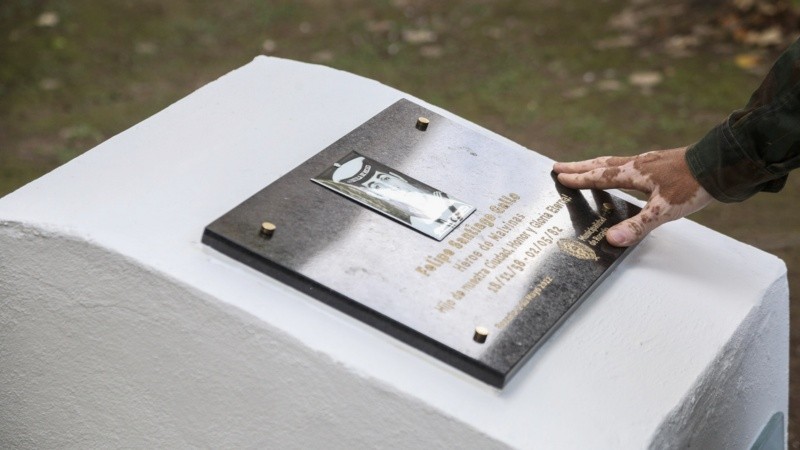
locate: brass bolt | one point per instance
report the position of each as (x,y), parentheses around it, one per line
(422,123)
(267,228)
(607,208)
(481,333)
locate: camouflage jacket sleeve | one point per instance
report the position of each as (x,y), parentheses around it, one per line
(756,147)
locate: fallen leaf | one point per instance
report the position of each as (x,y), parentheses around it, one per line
(645,80)
(609,85)
(82,131)
(419,36)
(431,51)
(269,46)
(769,37)
(379,26)
(146,48)
(323,56)
(747,61)
(48,19)
(577,92)
(744,5)
(678,43)
(50,84)
(627,19)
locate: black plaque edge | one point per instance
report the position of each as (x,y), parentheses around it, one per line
(360,312)
(564,317)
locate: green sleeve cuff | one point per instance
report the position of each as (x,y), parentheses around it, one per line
(723,167)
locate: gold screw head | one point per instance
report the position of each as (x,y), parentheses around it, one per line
(267,228)
(481,333)
(422,123)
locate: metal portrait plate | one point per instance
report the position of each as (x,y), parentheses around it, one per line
(508,271)
(395,194)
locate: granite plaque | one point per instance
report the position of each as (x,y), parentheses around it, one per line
(505,252)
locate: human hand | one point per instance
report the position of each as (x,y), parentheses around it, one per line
(663,174)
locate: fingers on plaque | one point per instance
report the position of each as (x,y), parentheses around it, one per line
(604,178)
(591,164)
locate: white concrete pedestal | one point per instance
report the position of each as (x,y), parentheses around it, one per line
(118,328)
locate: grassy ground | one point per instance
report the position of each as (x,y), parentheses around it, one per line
(571,79)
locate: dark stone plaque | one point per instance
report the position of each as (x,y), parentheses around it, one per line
(484,297)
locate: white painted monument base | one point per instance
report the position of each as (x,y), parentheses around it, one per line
(118,328)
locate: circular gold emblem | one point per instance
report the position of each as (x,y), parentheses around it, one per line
(577,249)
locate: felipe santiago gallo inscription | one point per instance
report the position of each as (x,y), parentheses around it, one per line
(503,251)
(484,297)
(488,221)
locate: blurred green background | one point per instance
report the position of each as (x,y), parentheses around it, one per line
(570,79)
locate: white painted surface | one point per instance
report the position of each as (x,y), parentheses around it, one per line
(118,328)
